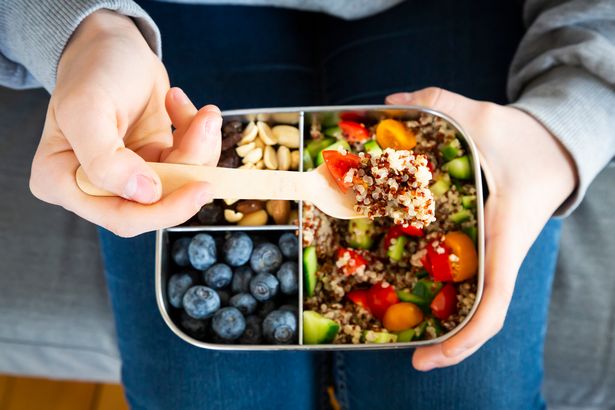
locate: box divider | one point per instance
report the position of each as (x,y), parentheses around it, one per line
(300,227)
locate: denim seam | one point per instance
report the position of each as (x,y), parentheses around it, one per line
(341,383)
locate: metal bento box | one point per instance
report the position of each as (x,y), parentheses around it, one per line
(356,326)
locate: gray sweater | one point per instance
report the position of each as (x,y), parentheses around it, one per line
(563,72)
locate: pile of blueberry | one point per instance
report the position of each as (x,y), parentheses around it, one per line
(234,288)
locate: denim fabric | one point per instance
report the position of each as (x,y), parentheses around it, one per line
(241,57)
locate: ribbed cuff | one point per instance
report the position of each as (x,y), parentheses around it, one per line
(37,31)
(577,109)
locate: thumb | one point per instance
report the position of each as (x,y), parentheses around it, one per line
(460,108)
(93,136)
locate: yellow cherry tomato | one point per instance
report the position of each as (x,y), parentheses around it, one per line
(402,316)
(393,134)
(465,262)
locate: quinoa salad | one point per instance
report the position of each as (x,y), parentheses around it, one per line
(408,271)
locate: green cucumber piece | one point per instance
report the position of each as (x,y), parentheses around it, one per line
(396,250)
(459,168)
(406,296)
(422,274)
(373,148)
(340,143)
(420,329)
(472,232)
(405,336)
(449,151)
(315,146)
(461,216)
(468,201)
(310,266)
(426,289)
(307,161)
(369,336)
(335,132)
(441,186)
(329,119)
(361,233)
(317,329)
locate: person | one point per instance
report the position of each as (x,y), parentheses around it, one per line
(111,109)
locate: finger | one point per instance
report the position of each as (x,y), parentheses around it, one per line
(460,108)
(179,107)
(201,142)
(501,267)
(93,136)
(122,217)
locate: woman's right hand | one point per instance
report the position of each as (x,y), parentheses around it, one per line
(111,111)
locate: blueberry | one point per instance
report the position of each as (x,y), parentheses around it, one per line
(288,277)
(289,245)
(266,258)
(253,333)
(290,308)
(218,276)
(201,302)
(237,249)
(202,251)
(264,286)
(266,308)
(177,287)
(193,327)
(228,323)
(211,214)
(179,252)
(224,296)
(241,279)
(280,327)
(244,302)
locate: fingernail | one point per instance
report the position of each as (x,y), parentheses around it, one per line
(140,188)
(213,125)
(203,198)
(401,98)
(179,96)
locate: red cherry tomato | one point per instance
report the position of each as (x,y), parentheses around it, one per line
(396,231)
(380,297)
(438,261)
(445,302)
(352,116)
(354,263)
(359,297)
(354,131)
(338,165)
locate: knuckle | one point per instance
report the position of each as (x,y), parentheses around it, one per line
(433,95)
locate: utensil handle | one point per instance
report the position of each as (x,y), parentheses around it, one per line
(226,183)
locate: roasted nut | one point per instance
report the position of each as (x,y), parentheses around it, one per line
(260,164)
(210,214)
(293,218)
(271,159)
(229,159)
(230,140)
(232,216)
(249,134)
(248,166)
(231,127)
(253,156)
(244,150)
(249,206)
(284,159)
(294,159)
(279,210)
(254,219)
(265,133)
(259,143)
(286,135)
(230,202)
(285,117)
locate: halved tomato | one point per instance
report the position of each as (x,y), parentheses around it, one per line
(354,131)
(338,165)
(393,134)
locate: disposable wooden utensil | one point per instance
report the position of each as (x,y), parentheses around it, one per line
(317,186)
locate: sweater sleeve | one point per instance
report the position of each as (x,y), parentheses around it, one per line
(563,74)
(33,34)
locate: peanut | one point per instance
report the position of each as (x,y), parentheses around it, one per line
(253,156)
(284,159)
(265,133)
(271,159)
(294,159)
(286,135)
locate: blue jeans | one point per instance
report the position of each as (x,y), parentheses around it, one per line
(241,57)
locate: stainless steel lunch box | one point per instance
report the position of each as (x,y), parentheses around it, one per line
(304,116)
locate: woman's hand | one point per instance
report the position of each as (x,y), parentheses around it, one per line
(111,111)
(529,176)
